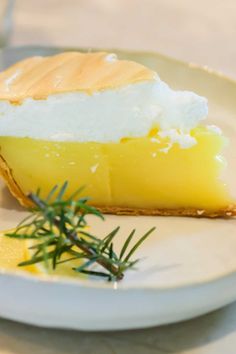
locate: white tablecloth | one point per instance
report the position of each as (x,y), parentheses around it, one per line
(202,31)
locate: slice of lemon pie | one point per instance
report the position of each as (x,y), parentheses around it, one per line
(112,125)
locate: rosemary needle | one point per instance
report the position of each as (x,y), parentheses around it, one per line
(58,226)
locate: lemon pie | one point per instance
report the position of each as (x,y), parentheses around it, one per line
(113,126)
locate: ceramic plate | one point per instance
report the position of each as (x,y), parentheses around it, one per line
(187,267)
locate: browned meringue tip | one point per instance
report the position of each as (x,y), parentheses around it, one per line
(39,77)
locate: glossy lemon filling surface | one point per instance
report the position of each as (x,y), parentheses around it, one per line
(146,172)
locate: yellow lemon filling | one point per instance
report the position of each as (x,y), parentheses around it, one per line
(146,172)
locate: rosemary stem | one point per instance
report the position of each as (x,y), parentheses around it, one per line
(73,237)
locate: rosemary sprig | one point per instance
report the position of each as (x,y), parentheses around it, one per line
(58,226)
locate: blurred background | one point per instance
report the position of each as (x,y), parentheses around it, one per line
(201,31)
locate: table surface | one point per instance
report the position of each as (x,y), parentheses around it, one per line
(202,31)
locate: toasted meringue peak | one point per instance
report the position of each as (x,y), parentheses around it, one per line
(39,77)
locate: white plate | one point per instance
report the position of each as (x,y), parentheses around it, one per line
(187,267)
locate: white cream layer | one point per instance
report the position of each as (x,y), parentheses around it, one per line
(105,116)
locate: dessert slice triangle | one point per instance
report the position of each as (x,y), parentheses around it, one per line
(113,126)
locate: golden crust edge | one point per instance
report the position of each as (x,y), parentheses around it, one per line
(229,211)
(6,174)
